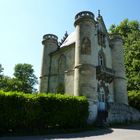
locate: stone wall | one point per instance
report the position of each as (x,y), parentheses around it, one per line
(55,79)
(92,111)
(121,113)
(69,84)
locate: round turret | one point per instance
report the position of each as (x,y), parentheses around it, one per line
(50,44)
(49,37)
(84,70)
(115,37)
(84,15)
(120,87)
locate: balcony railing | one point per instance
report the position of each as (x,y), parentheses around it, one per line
(105,73)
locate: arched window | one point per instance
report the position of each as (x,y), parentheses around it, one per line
(61,73)
(101,38)
(62,64)
(101,58)
(86,46)
(101,63)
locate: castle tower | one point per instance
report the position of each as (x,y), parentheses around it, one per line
(85,59)
(120,87)
(50,44)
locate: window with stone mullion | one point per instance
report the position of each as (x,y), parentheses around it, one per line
(101,38)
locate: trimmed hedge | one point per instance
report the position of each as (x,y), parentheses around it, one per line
(134,99)
(36,112)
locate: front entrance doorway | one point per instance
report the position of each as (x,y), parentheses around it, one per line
(102,110)
(101,98)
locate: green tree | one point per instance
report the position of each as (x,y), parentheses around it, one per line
(13,84)
(130,31)
(2,78)
(4,82)
(10,84)
(24,74)
(1,71)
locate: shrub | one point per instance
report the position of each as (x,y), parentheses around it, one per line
(31,112)
(61,88)
(134,99)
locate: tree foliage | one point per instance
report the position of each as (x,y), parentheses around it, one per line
(134,99)
(23,81)
(11,84)
(24,73)
(130,31)
(1,71)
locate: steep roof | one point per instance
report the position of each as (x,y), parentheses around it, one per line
(69,40)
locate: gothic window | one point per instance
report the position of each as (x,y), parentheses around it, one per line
(86,46)
(61,74)
(62,64)
(101,59)
(101,38)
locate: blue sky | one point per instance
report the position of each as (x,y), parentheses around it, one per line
(24,22)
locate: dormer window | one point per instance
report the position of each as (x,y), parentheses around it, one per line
(101,38)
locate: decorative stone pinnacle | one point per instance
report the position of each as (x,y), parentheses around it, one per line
(99,13)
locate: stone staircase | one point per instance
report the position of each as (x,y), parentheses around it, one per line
(121,113)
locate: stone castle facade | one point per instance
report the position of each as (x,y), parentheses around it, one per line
(87,62)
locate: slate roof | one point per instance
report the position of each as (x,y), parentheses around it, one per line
(69,40)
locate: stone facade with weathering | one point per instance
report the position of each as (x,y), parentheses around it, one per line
(87,62)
